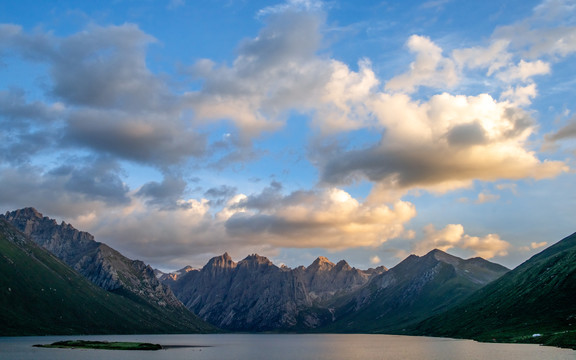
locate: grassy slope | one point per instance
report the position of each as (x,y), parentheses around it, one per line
(538,297)
(410,299)
(41,295)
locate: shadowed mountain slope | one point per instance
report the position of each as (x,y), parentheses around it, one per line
(40,295)
(104,266)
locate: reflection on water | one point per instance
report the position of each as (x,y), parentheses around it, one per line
(284,347)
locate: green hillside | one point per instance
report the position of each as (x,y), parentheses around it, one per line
(412,291)
(40,295)
(538,297)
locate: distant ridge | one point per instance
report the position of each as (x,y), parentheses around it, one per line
(537,297)
(413,290)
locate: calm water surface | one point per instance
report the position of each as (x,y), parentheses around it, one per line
(284,347)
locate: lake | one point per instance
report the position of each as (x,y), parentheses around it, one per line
(283,347)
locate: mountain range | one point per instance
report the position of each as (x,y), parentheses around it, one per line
(256,295)
(59,280)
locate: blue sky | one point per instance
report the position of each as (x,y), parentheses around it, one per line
(178,130)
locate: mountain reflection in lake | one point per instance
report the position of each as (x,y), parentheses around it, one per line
(283,347)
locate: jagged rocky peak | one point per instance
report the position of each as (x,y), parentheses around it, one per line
(444,257)
(321,264)
(255,260)
(223,261)
(28,212)
(378,270)
(342,265)
(173,275)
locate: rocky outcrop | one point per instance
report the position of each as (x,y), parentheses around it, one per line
(97,262)
(256,295)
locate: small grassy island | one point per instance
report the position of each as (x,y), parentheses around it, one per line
(104,345)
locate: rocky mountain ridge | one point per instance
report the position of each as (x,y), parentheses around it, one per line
(256,295)
(41,295)
(97,262)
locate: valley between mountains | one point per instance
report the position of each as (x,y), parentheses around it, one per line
(59,280)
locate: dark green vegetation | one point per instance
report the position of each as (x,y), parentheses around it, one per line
(102,345)
(538,297)
(39,295)
(412,291)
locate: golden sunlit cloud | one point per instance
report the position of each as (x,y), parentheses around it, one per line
(453,236)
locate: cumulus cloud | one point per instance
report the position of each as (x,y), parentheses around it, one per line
(443,144)
(453,236)
(110,102)
(191,229)
(430,68)
(493,57)
(520,95)
(153,139)
(77,188)
(525,70)
(166,192)
(330,218)
(279,70)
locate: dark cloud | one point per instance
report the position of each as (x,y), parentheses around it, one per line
(27,127)
(98,67)
(167,192)
(96,179)
(270,197)
(152,139)
(220,194)
(566,132)
(77,188)
(467,135)
(17,112)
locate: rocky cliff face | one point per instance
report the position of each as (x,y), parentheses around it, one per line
(96,261)
(256,295)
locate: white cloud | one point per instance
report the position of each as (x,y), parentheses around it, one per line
(453,236)
(524,71)
(485,197)
(429,69)
(191,229)
(520,95)
(535,245)
(493,57)
(292,5)
(441,145)
(375,260)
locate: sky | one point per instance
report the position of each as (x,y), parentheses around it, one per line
(177,130)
